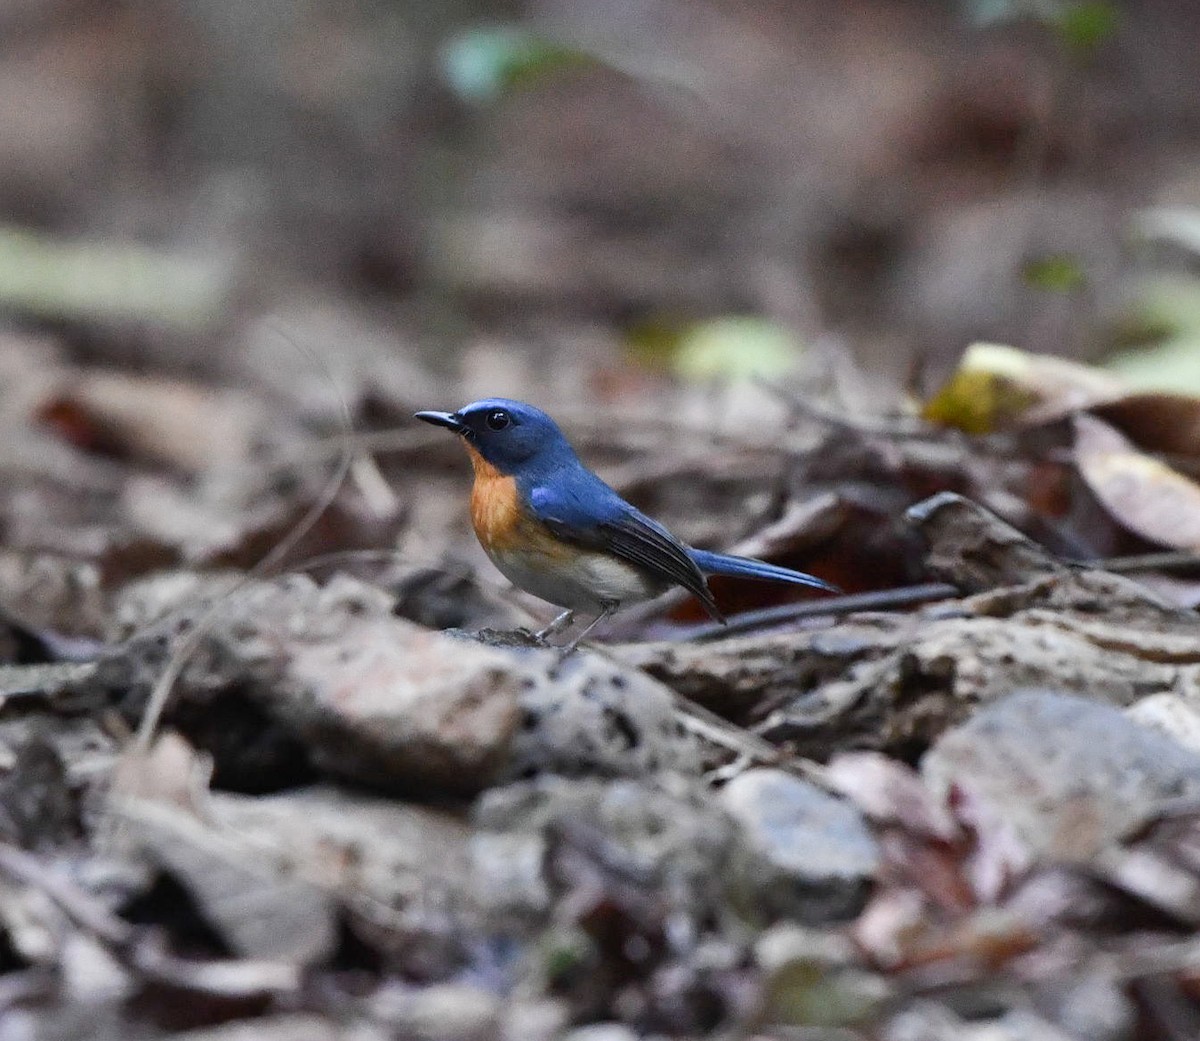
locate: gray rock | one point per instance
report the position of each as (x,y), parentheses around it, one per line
(383,702)
(1175,715)
(589,715)
(441,1012)
(1092,1005)
(602,1032)
(270,873)
(287,1027)
(805,853)
(932,1021)
(1063,776)
(360,693)
(248,893)
(508,873)
(370,697)
(393,855)
(534,1019)
(670,841)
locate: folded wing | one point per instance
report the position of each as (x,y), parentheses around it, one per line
(593,516)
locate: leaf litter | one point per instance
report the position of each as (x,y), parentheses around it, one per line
(865,818)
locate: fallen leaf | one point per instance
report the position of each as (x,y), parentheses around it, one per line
(482,64)
(736,347)
(110,281)
(996,387)
(1141,493)
(1157,422)
(170,771)
(156,420)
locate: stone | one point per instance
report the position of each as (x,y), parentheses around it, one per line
(602,1032)
(590,715)
(671,836)
(292,675)
(805,853)
(1060,776)
(1175,715)
(440,1012)
(393,854)
(292,668)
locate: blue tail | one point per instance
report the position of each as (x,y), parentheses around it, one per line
(744,567)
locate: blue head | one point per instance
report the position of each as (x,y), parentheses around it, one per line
(508,434)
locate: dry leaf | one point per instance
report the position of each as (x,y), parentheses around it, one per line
(171,771)
(154,419)
(1157,422)
(997,387)
(1141,493)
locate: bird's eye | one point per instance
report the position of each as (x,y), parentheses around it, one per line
(497,420)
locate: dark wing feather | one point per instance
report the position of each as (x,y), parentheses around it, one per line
(583,510)
(645,544)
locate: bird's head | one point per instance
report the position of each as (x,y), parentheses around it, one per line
(505,433)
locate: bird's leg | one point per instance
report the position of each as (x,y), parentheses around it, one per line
(608,609)
(563,621)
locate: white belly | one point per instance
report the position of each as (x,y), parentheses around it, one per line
(591,582)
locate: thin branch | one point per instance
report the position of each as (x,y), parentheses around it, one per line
(181,654)
(831,607)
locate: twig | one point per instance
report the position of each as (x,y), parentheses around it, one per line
(875,426)
(834,606)
(179,658)
(710,727)
(1184,560)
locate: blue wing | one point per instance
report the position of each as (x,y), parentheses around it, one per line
(580,508)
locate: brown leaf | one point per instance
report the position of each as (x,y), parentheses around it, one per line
(152,419)
(1141,493)
(1157,422)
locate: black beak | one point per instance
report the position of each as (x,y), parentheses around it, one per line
(449,420)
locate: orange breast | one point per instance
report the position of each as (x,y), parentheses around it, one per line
(501,525)
(495,512)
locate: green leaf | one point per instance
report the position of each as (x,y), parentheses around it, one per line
(482,64)
(1055,273)
(808,993)
(736,347)
(105,280)
(1081,25)
(1085,26)
(1171,308)
(653,343)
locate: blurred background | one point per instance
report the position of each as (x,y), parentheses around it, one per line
(560,197)
(229,228)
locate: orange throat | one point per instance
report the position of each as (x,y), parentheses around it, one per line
(495,511)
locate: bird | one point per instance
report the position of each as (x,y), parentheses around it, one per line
(556,530)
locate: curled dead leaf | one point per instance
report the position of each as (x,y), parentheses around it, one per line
(1157,422)
(996,387)
(1141,493)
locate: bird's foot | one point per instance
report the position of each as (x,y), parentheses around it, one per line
(570,648)
(560,624)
